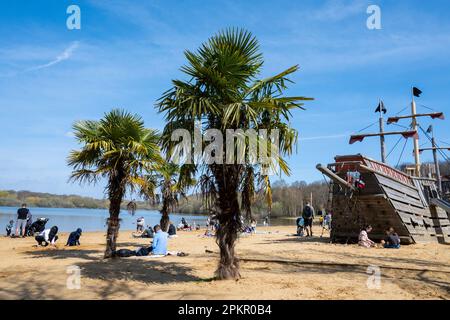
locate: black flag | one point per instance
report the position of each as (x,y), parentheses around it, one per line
(417,92)
(430,129)
(381,107)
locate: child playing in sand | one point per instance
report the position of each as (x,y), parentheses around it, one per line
(300,226)
(326,223)
(392,240)
(9,228)
(363,239)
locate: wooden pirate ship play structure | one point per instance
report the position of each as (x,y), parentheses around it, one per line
(364,191)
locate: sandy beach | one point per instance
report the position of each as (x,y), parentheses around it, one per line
(274,265)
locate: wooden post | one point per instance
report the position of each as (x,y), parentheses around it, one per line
(436,161)
(416,139)
(382,139)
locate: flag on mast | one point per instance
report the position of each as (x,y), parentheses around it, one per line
(417,92)
(381,107)
(430,129)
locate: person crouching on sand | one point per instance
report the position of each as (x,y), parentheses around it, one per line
(9,228)
(48,236)
(363,239)
(74,238)
(392,240)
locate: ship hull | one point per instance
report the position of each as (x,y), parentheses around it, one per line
(384,197)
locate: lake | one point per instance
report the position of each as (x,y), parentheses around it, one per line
(69,219)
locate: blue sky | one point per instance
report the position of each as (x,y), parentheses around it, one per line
(127,52)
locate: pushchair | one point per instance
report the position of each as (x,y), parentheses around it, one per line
(36,227)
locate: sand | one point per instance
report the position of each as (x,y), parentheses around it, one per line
(274,265)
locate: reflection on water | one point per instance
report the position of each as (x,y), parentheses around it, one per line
(68,219)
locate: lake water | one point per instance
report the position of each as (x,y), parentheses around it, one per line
(69,219)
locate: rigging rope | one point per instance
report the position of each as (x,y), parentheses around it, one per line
(368,126)
(398,141)
(440,151)
(421,105)
(401,154)
(402,110)
(401,126)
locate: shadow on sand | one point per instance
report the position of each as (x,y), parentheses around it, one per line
(116,275)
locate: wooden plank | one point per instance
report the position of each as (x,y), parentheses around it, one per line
(403,197)
(409,190)
(407,200)
(440,222)
(408,208)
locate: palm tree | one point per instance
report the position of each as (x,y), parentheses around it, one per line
(166,179)
(224,93)
(119,149)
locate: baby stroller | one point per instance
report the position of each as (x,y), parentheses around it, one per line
(37,226)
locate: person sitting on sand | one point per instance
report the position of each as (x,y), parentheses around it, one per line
(148,233)
(185,224)
(74,238)
(392,240)
(140,222)
(172,231)
(363,239)
(48,236)
(208,233)
(159,245)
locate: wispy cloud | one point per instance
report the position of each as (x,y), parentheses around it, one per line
(66,54)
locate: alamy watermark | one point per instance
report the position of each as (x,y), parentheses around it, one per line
(374,279)
(73,21)
(73,281)
(231,146)
(374,20)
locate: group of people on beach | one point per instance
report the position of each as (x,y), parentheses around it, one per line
(158,247)
(149,232)
(305,221)
(26,227)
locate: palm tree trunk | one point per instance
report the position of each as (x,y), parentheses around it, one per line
(229,221)
(164,216)
(111,236)
(116,194)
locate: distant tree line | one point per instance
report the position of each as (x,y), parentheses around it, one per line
(9,198)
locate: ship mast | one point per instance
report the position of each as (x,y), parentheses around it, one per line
(416,139)
(435,149)
(360,137)
(415,92)
(382,139)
